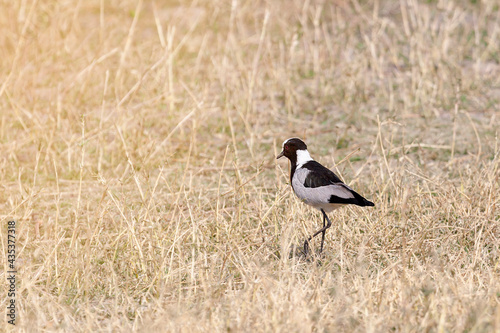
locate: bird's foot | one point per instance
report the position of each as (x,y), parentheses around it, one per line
(306,248)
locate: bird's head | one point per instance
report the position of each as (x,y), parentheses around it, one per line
(290,148)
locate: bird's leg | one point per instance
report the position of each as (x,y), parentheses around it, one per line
(322,230)
(306,247)
(323,233)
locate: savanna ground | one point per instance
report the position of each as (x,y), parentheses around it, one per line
(138,143)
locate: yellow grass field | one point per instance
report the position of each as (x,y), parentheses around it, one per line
(137,152)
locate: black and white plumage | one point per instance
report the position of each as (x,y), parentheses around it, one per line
(316,185)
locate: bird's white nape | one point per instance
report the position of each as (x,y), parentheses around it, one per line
(303,157)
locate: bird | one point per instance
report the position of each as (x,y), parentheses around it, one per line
(317,186)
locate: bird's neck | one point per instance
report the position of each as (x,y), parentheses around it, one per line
(301,157)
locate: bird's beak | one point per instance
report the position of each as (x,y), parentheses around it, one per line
(280,155)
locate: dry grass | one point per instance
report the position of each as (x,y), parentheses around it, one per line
(137,155)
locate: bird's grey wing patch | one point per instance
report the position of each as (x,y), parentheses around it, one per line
(342,194)
(352,198)
(319,195)
(341,191)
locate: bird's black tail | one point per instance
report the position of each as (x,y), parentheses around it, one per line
(360,201)
(368,203)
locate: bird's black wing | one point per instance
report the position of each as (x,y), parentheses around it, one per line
(319,175)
